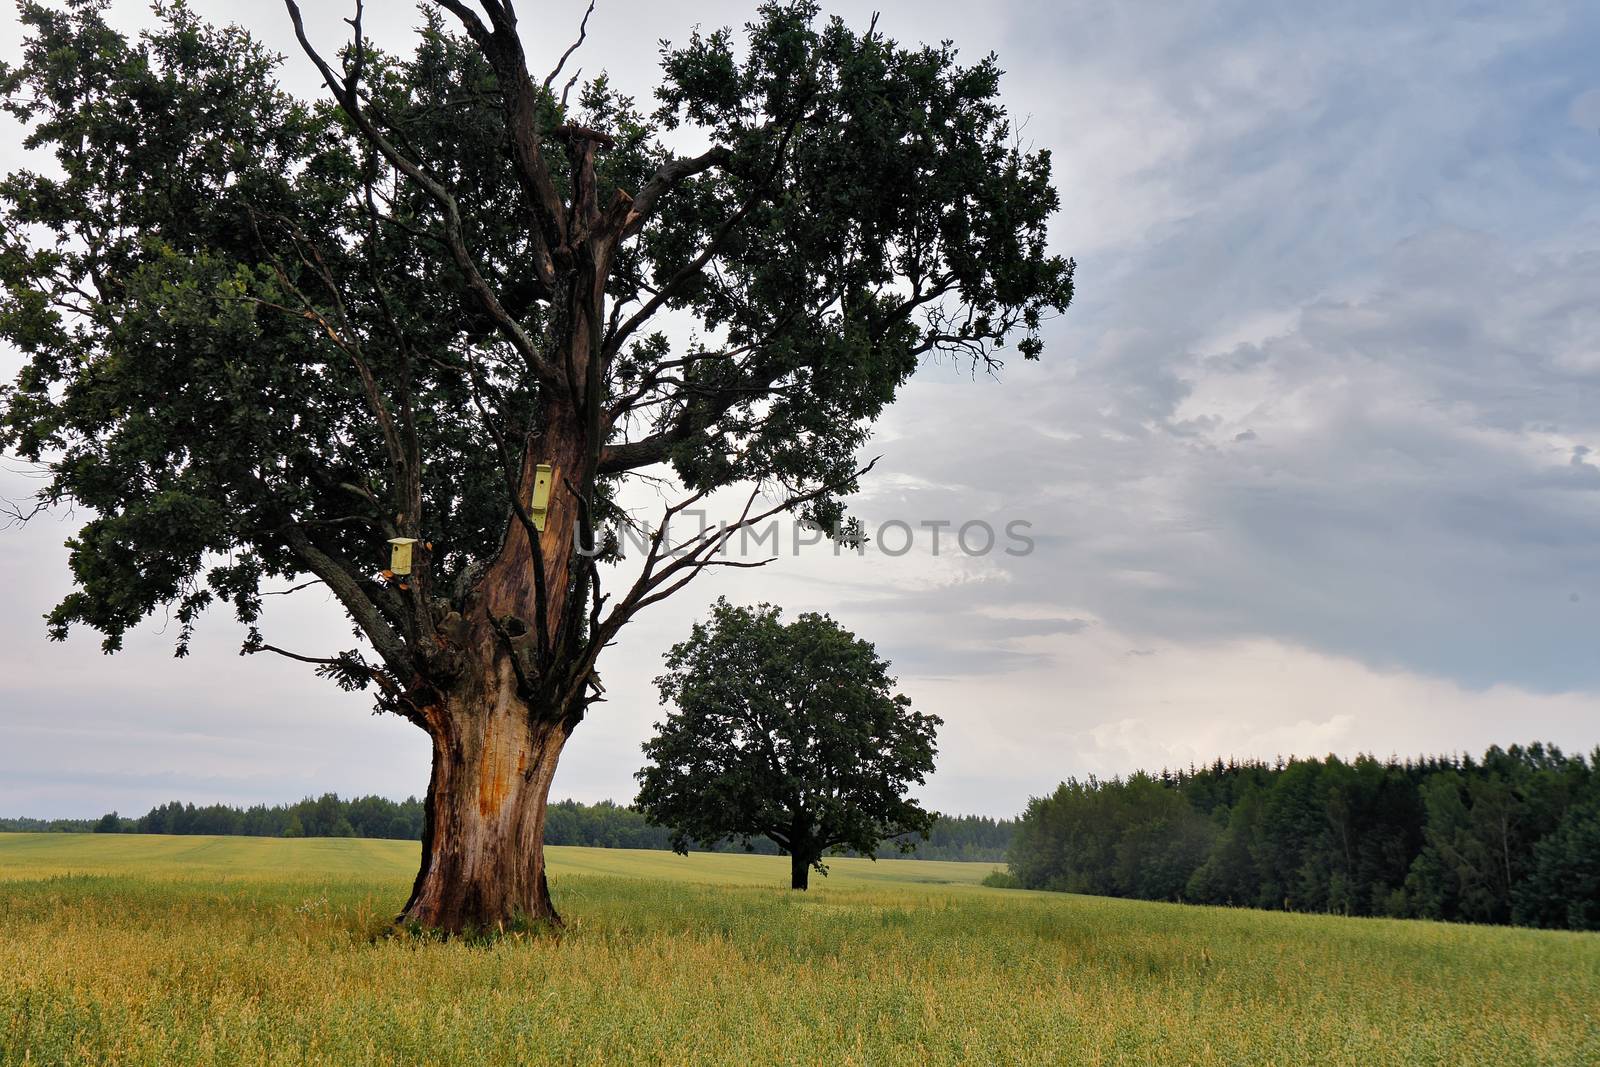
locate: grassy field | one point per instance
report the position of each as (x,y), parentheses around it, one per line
(236,950)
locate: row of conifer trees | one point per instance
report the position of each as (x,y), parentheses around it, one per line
(602,825)
(1513,837)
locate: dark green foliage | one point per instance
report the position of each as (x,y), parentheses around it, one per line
(1137,838)
(568,822)
(914,149)
(957,837)
(602,825)
(791,732)
(225,286)
(1562,887)
(324,816)
(166,388)
(47,826)
(1514,837)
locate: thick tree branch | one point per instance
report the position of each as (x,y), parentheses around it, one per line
(389,645)
(639,211)
(625,456)
(345,93)
(521,99)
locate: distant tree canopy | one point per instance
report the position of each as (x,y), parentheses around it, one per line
(1513,837)
(790,732)
(604,824)
(324,816)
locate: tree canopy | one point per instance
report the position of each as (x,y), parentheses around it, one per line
(788,731)
(265,336)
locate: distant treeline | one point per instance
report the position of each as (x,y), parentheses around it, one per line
(1513,837)
(602,825)
(325,816)
(608,825)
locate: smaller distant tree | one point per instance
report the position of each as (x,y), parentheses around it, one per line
(792,732)
(110,823)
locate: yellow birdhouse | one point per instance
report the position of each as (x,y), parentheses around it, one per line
(539,507)
(400,554)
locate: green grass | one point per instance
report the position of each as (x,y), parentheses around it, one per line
(237,950)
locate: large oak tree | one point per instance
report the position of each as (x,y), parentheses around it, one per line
(265,335)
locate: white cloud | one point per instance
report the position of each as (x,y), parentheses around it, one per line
(1094,709)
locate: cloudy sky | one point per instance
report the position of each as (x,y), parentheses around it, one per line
(1312,466)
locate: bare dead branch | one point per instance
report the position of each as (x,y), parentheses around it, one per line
(502,47)
(324,661)
(293,589)
(583,32)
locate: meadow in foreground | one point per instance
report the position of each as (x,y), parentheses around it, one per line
(131,949)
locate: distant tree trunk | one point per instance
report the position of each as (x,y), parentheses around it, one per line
(799,870)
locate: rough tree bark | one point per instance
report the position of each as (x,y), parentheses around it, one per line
(498,733)
(483,863)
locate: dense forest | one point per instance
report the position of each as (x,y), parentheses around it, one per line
(602,825)
(326,816)
(1513,837)
(608,825)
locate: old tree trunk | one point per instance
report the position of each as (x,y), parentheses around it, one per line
(525,666)
(483,840)
(497,732)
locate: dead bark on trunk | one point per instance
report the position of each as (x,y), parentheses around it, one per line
(498,733)
(483,865)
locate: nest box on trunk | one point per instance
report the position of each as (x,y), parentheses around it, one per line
(539,506)
(400,554)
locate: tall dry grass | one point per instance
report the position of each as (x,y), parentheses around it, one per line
(234,950)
